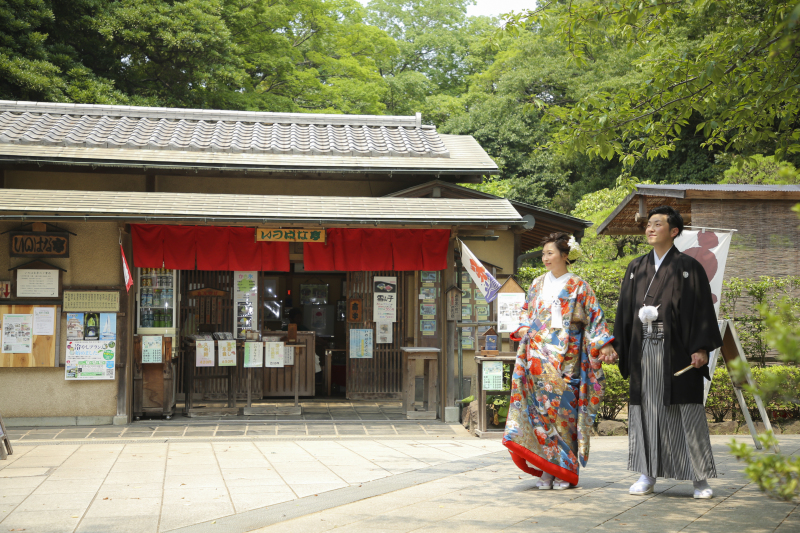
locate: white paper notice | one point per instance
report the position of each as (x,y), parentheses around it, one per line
(253,354)
(288,355)
(384,299)
(273,356)
(384,332)
(17,333)
(204,352)
(151,349)
(509,307)
(227,353)
(44,321)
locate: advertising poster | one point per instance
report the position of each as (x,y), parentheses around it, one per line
(509,307)
(467,343)
(204,353)
(427,311)
(108,326)
(44,321)
(253,354)
(384,331)
(17,333)
(74,326)
(466,311)
(384,303)
(227,353)
(90,360)
(361,344)
(427,294)
(429,275)
(482,311)
(245,301)
(151,349)
(273,354)
(427,327)
(492,375)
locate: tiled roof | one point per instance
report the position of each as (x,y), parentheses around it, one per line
(160,206)
(91,126)
(717,187)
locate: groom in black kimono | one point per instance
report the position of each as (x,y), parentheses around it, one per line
(665,323)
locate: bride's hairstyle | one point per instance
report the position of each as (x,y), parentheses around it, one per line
(560,239)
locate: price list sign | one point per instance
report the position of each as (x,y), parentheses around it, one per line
(492,375)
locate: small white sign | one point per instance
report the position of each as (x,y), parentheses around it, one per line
(288,355)
(273,357)
(509,307)
(151,349)
(44,321)
(37,283)
(204,351)
(492,375)
(384,333)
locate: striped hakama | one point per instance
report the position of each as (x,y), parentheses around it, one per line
(666,441)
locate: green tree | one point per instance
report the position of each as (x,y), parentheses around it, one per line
(43,51)
(438,48)
(761,170)
(732,64)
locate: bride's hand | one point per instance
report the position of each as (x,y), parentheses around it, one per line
(607,354)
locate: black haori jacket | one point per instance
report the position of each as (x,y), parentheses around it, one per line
(690,323)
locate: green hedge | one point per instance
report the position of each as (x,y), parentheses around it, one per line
(721,401)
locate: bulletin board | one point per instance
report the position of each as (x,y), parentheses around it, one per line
(43,347)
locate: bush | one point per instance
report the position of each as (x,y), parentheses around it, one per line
(721,400)
(615,395)
(780,379)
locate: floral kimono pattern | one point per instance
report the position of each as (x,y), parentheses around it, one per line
(557,383)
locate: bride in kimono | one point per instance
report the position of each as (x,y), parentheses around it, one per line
(557,383)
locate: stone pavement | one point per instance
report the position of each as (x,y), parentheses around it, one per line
(353,484)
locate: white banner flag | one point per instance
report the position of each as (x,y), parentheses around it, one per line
(480,276)
(710,248)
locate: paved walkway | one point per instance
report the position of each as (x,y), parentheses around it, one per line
(312,484)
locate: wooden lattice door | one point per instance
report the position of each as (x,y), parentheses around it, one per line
(380,377)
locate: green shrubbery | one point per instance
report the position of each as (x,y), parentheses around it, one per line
(721,402)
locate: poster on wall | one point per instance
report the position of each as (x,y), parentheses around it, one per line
(44,321)
(245,301)
(74,326)
(361,343)
(509,307)
(227,353)
(253,354)
(204,353)
(108,326)
(17,333)
(151,349)
(384,299)
(90,360)
(427,327)
(273,354)
(384,333)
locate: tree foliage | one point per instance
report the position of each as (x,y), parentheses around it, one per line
(731,63)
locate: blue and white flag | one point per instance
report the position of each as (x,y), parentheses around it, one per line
(480,276)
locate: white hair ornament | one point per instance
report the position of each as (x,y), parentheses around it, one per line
(575,251)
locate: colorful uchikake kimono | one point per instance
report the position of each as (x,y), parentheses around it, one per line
(557,384)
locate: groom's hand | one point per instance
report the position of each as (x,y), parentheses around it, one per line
(699,358)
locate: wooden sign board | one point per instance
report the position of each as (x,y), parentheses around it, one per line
(207,292)
(95,301)
(510,285)
(38,244)
(453,303)
(355,310)
(291,235)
